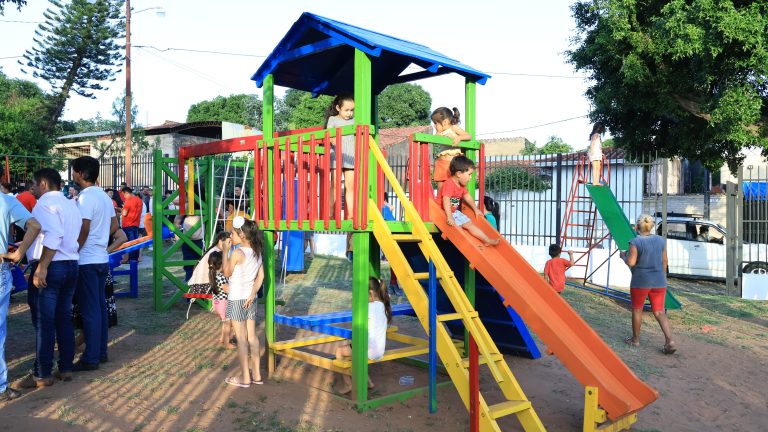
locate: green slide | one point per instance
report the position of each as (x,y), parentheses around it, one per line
(619,226)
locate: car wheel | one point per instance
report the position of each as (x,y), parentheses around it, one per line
(756,267)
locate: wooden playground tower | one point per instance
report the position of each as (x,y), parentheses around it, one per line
(328,57)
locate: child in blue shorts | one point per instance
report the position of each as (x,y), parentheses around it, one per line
(454,191)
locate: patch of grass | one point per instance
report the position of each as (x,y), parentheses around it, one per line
(139,427)
(172,409)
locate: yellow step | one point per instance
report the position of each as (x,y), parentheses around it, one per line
(406,238)
(456,316)
(482,360)
(425,276)
(508,407)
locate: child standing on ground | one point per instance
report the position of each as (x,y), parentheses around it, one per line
(341,113)
(446,123)
(554,269)
(244,269)
(454,192)
(220,288)
(379,317)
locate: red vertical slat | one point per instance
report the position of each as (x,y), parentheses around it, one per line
(339,197)
(413,179)
(289,183)
(356,180)
(365,150)
(256,182)
(481,177)
(313,183)
(7,170)
(474,386)
(276,187)
(264,183)
(380,183)
(326,179)
(427,192)
(302,180)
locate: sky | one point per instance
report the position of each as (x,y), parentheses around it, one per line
(510,40)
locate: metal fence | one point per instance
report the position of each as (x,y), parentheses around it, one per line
(754,215)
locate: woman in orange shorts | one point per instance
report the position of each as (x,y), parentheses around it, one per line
(446,123)
(647,258)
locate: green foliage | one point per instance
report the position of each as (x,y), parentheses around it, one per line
(508,178)
(18,3)
(76,50)
(116,143)
(529,149)
(404,105)
(300,110)
(682,77)
(608,143)
(555,145)
(22,111)
(242,109)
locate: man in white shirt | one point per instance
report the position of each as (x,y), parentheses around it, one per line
(12,212)
(98,223)
(53,256)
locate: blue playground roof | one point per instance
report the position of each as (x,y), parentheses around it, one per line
(318,55)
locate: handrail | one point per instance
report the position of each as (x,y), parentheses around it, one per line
(445,141)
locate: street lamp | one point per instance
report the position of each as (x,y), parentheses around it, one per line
(128,162)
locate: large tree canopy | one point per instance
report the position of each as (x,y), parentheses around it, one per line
(681,77)
(76,50)
(403,105)
(22,111)
(242,109)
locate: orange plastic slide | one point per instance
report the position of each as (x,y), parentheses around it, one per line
(574,342)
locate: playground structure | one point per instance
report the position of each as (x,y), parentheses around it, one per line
(587,207)
(297,164)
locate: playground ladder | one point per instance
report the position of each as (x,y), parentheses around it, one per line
(580,218)
(456,365)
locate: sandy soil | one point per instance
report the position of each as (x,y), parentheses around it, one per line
(166,374)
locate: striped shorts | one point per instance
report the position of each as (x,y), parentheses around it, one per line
(236,312)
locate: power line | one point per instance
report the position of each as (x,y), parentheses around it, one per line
(21,22)
(536,126)
(197,51)
(11,57)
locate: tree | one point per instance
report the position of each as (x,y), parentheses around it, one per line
(116,144)
(555,145)
(508,178)
(18,3)
(680,77)
(76,50)
(529,148)
(240,108)
(22,108)
(301,110)
(404,105)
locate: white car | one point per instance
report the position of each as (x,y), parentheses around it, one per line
(696,247)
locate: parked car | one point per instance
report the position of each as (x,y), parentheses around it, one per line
(696,247)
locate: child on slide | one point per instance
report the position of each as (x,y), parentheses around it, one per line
(453,192)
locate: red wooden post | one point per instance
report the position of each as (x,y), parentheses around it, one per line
(264,183)
(326,180)
(313,183)
(302,180)
(337,199)
(356,181)
(481,178)
(289,183)
(276,186)
(7,170)
(256,184)
(474,386)
(380,183)
(413,178)
(364,151)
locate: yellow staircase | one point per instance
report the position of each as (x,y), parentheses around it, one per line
(458,367)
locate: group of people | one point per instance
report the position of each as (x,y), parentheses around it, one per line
(66,243)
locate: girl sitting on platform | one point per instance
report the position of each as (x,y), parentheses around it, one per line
(379,317)
(243,267)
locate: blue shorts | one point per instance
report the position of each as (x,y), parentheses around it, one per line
(460,218)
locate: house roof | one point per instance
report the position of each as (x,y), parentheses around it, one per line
(318,55)
(207,129)
(393,136)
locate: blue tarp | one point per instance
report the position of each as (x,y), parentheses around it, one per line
(318,55)
(755,190)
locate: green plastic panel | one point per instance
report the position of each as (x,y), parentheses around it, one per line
(612,215)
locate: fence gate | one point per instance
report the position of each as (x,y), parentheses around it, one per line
(752,253)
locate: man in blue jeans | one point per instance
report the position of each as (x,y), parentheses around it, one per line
(53,257)
(11,212)
(99,222)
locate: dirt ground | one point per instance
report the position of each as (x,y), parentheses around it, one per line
(166,373)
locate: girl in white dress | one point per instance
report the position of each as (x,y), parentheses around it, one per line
(595,152)
(379,317)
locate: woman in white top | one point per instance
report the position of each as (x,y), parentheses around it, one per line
(379,317)
(244,269)
(595,152)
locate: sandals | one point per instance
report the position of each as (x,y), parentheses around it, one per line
(234,382)
(628,340)
(668,349)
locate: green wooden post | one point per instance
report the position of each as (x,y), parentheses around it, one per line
(267,127)
(362,261)
(268,261)
(470,92)
(157,229)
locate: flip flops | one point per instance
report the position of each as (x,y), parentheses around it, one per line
(234,382)
(628,340)
(668,349)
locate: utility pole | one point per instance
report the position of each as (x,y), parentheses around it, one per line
(128,120)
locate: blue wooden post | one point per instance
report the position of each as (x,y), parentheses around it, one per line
(432,338)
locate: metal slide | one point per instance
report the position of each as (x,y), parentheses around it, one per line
(574,342)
